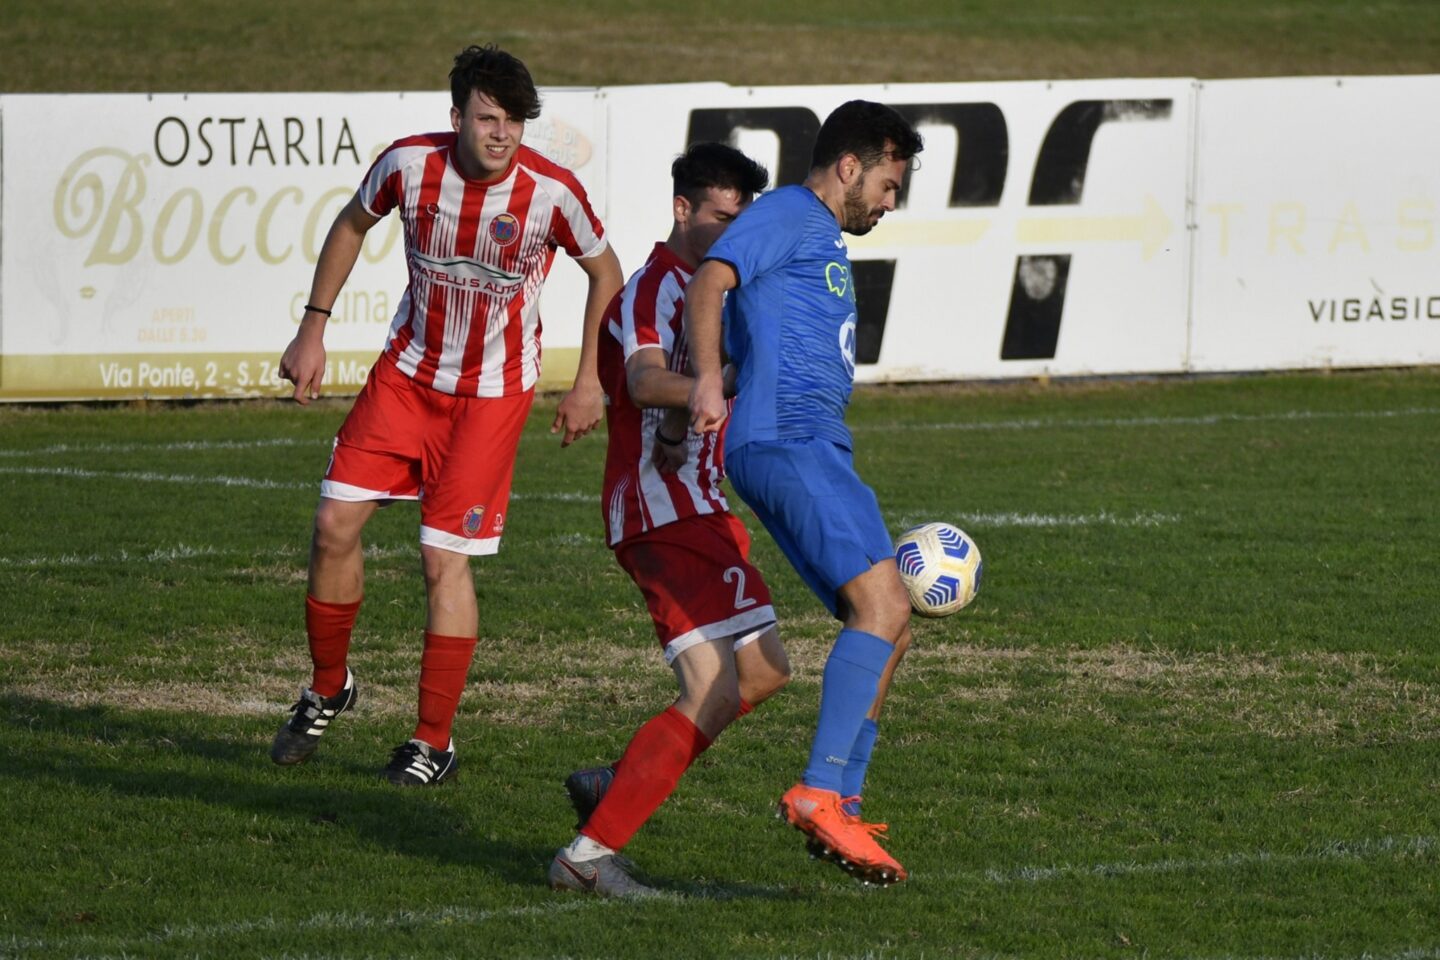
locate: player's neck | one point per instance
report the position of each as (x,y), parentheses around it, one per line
(676,245)
(828,190)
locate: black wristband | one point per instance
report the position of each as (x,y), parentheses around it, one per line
(310,307)
(666,440)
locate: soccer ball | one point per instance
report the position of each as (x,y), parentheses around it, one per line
(941,567)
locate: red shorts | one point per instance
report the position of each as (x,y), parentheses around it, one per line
(698,582)
(405,441)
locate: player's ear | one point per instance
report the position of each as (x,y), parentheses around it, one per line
(455,118)
(847,167)
(682,209)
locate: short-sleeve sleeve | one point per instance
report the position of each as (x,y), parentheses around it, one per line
(765,236)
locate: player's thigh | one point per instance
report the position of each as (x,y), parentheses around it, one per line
(824,518)
(705,669)
(761,662)
(876,601)
(467,477)
(378,448)
(338,523)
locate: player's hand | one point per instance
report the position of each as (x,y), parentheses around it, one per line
(707,404)
(579,412)
(670,457)
(303,364)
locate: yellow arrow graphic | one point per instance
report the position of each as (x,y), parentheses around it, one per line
(1150,228)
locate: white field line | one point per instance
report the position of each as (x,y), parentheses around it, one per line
(190,479)
(327,921)
(994,520)
(173,446)
(184,551)
(1329,852)
(1034,423)
(1208,420)
(181,551)
(977,520)
(147,476)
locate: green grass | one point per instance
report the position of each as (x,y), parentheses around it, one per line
(1193,713)
(206,45)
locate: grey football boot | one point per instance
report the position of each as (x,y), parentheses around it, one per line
(607,876)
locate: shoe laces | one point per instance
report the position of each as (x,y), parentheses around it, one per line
(308,708)
(876,830)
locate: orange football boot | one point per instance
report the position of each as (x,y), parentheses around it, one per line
(836,836)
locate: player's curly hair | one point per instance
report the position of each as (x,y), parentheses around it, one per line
(863,127)
(711,164)
(500,76)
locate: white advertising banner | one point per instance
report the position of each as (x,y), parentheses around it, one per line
(1316,207)
(1043,231)
(164,245)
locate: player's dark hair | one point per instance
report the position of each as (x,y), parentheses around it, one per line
(497,74)
(863,127)
(711,164)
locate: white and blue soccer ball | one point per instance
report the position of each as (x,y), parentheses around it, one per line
(941,567)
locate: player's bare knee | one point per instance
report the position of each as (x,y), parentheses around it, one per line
(337,527)
(443,567)
(763,668)
(767,684)
(887,617)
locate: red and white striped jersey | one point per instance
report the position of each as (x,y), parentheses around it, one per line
(649,314)
(477,255)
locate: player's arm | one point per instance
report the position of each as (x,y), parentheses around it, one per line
(704,299)
(303,362)
(581,409)
(651,383)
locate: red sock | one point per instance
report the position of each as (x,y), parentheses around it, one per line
(745,707)
(328,627)
(659,753)
(443,666)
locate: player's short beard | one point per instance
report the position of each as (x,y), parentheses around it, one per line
(857,214)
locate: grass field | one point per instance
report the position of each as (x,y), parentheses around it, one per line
(1195,712)
(1194,715)
(208,45)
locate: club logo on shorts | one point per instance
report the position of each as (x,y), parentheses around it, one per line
(505,229)
(472,520)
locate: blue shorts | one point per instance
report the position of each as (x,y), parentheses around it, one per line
(825,520)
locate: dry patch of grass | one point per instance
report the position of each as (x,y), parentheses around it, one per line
(1324,695)
(514,681)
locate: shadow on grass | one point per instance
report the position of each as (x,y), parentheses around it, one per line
(96,748)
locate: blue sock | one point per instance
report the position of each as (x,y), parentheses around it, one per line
(851,679)
(852,779)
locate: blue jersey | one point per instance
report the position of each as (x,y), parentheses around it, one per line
(790,326)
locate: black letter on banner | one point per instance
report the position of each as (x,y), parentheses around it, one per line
(982,152)
(184,151)
(795,127)
(873,280)
(981,159)
(1037,298)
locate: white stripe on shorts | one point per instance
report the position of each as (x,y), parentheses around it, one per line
(431,537)
(744,627)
